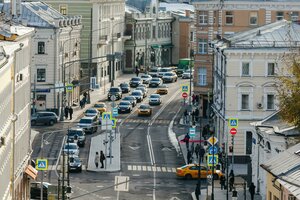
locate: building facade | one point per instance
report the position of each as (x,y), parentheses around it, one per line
(15,148)
(214,18)
(246,65)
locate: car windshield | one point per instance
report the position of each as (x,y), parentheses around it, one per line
(145,76)
(123,85)
(85,121)
(90,111)
(144,107)
(74,160)
(136,93)
(99,105)
(114,90)
(136,79)
(155,79)
(154,70)
(128,98)
(154,96)
(165,70)
(70,146)
(168,74)
(162,86)
(75,132)
(124,103)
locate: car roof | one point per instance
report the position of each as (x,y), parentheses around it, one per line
(88,117)
(76,129)
(71,143)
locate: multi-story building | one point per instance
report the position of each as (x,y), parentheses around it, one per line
(15,148)
(102,34)
(246,65)
(215,18)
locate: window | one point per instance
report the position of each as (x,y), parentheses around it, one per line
(253,18)
(279,16)
(41,47)
(275,198)
(270,195)
(192,36)
(63,9)
(270,102)
(294,16)
(271,69)
(203,17)
(229,18)
(245,102)
(245,69)
(202,46)
(202,76)
(41,75)
(153,32)
(248,142)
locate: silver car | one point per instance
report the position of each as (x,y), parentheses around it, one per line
(146,78)
(155,99)
(71,149)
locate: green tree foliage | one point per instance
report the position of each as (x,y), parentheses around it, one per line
(289,94)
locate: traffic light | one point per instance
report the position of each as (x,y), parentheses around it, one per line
(230,149)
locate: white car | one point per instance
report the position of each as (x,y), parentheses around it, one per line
(187,75)
(155,99)
(71,149)
(91,112)
(146,78)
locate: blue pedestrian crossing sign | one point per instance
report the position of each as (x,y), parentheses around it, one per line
(212,160)
(41,164)
(106,116)
(113,122)
(185,88)
(213,150)
(115,112)
(233,122)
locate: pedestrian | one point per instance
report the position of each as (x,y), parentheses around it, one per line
(84,101)
(186,139)
(137,71)
(102,158)
(197,114)
(222,182)
(97,159)
(193,116)
(197,150)
(189,157)
(197,191)
(81,104)
(252,190)
(231,180)
(197,99)
(201,154)
(70,112)
(192,149)
(193,98)
(66,112)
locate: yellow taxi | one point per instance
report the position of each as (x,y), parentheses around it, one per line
(191,171)
(162,89)
(144,110)
(101,107)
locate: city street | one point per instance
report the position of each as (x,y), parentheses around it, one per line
(147,156)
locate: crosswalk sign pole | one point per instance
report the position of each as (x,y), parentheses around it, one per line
(213,165)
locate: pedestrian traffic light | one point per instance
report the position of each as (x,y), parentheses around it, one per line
(230,149)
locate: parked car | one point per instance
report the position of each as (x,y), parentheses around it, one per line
(188,74)
(101,107)
(91,112)
(76,134)
(89,124)
(155,99)
(116,91)
(71,149)
(179,72)
(125,87)
(162,89)
(146,78)
(169,77)
(154,71)
(131,99)
(144,110)
(48,118)
(144,90)
(135,81)
(191,171)
(75,164)
(35,190)
(163,71)
(138,95)
(155,82)
(124,107)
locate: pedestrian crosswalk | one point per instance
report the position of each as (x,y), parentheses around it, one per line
(145,121)
(148,168)
(58,167)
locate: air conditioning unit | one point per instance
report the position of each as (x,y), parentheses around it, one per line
(259,105)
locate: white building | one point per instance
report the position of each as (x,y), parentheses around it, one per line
(245,69)
(271,137)
(15,149)
(56,42)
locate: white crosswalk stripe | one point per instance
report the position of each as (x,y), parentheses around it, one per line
(151,168)
(53,167)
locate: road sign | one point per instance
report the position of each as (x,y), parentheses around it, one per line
(41,164)
(233,131)
(113,122)
(185,88)
(184,95)
(233,122)
(115,112)
(192,132)
(106,124)
(213,150)
(212,160)
(113,97)
(106,116)
(69,88)
(212,140)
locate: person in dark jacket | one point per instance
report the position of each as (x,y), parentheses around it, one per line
(71,112)
(66,112)
(252,190)
(102,158)
(189,157)
(231,180)
(197,191)
(222,182)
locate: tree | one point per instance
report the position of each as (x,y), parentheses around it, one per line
(289,94)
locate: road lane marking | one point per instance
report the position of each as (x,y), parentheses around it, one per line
(129,167)
(163,169)
(154,168)
(134,167)
(149,168)
(139,168)
(144,168)
(169,169)
(173,169)
(158,169)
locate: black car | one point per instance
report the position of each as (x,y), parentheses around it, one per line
(48,118)
(125,87)
(155,82)
(116,91)
(135,81)
(35,190)
(124,106)
(75,164)
(131,99)
(76,134)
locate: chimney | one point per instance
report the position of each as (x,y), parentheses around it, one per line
(187,13)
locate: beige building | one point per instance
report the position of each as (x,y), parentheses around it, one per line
(245,83)
(217,17)
(283,180)
(15,148)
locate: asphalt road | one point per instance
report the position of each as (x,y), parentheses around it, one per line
(147,156)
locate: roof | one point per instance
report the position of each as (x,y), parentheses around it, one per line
(278,34)
(131,9)
(285,167)
(176,8)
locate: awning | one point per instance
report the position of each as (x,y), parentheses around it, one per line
(167,45)
(155,46)
(30,171)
